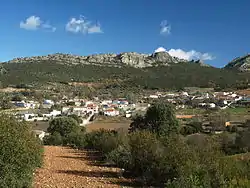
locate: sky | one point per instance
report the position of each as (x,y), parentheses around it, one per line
(214,31)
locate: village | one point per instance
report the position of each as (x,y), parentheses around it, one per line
(188,105)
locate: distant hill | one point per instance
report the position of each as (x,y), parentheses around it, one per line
(156,71)
(132,59)
(240,63)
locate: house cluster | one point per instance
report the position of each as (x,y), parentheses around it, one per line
(208,100)
(48,109)
(122,107)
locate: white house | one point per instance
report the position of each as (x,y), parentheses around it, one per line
(105,102)
(52,114)
(93,108)
(29,116)
(153,96)
(212,105)
(111,112)
(55,113)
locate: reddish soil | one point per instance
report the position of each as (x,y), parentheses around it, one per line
(70,168)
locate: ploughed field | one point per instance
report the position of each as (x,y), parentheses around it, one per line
(66,167)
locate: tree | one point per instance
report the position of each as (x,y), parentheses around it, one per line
(138,123)
(160,118)
(21,153)
(5,102)
(63,125)
(18,97)
(76,117)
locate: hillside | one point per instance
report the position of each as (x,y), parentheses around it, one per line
(240,63)
(115,60)
(162,71)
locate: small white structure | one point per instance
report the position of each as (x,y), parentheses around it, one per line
(153,96)
(55,113)
(39,134)
(111,112)
(212,105)
(105,102)
(49,102)
(184,93)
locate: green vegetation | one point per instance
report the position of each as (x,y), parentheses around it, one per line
(65,131)
(238,111)
(175,76)
(159,119)
(20,153)
(155,153)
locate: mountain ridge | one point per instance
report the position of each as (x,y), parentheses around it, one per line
(241,63)
(134,59)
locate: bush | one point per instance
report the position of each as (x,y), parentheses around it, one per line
(63,126)
(121,156)
(102,140)
(54,139)
(20,153)
(75,117)
(76,139)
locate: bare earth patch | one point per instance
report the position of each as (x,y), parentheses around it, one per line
(70,168)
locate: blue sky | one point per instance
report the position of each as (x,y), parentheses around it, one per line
(216,31)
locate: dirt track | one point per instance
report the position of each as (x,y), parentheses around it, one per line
(68,168)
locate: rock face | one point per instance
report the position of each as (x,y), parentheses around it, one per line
(240,63)
(130,59)
(2,70)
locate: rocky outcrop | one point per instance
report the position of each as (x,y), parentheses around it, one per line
(130,59)
(2,70)
(201,63)
(240,63)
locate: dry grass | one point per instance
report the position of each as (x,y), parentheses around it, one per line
(107,125)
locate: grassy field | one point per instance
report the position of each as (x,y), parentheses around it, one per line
(238,111)
(110,126)
(40,125)
(110,123)
(189,111)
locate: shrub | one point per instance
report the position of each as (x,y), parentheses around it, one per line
(146,152)
(20,151)
(54,139)
(121,156)
(102,140)
(76,139)
(63,126)
(75,117)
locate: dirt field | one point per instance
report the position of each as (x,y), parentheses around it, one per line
(110,126)
(68,168)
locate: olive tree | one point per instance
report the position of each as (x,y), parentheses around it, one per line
(20,153)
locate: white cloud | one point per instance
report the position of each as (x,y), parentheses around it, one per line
(160,49)
(165,28)
(49,27)
(187,55)
(34,23)
(82,25)
(31,23)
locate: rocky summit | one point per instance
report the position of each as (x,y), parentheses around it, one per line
(240,63)
(133,59)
